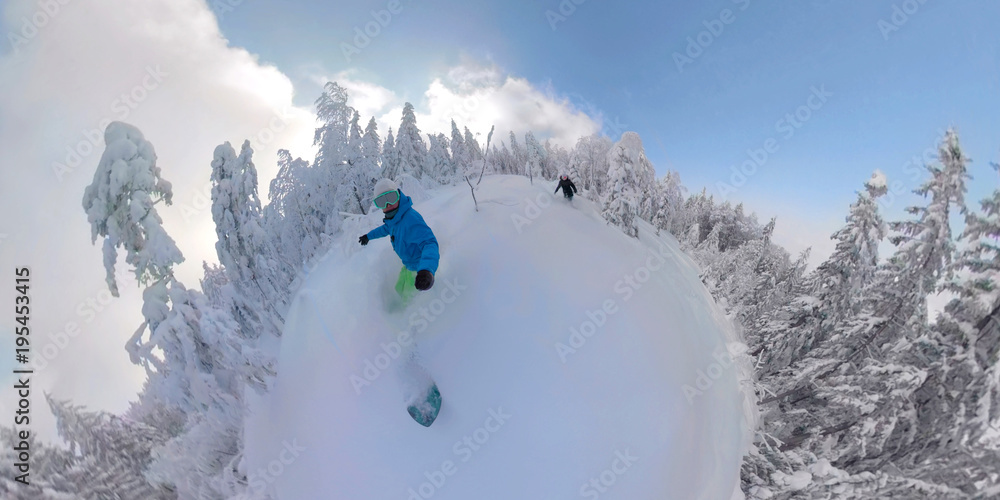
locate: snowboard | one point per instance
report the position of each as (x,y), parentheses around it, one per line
(420,392)
(425,409)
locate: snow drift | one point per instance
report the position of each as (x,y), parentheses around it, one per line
(573,360)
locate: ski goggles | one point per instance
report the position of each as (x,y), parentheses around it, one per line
(387,198)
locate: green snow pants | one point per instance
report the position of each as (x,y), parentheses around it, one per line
(406,285)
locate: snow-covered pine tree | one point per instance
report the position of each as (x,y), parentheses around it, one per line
(833,291)
(351,190)
(590,156)
(440,165)
(535,154)
(458,153)
(872,386)
(896,308)
(842,279)
(110,454)
(668,203)
(369,170)
(332,136)
(120,207)
(332,140)
(630,178)
(244,249)
(359,171)
(390,157)
(202,373)
(473,152)
(519,156)
(968,375)
(290,220)
(410,144)
(557,162)
(195,358)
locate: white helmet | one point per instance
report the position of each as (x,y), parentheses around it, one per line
(384,185)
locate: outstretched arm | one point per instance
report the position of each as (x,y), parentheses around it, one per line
(572,186)
(379,232)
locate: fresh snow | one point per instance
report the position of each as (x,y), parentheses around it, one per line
(650,403)
(878,180)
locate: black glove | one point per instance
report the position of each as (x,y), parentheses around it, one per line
(363,239)
(424,280)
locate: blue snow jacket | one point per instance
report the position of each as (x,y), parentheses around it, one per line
(412,239)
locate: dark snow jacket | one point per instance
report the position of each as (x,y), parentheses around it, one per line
(567,186)
(412,239)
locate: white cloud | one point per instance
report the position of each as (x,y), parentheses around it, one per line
(476,97)
(163,66)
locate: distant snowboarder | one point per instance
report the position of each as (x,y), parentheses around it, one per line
(567,186)
(412,239)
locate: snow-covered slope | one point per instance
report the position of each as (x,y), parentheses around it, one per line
(647,405)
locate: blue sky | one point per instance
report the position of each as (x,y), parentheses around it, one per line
(893,92)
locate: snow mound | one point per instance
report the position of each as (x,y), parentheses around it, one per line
(412,187)
(572,360)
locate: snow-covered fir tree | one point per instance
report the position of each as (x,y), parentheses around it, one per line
(110,454)
(630,177)
(876,388)
(460,157)
(390,157)
(534,155)
(332,136)
(296,228)
(120,207)
(519,157)
(360,170)
(332,140)
(410,144)
(473,152)
(590,156)
(197,358)
(832,293)
(556,162)
(440,165)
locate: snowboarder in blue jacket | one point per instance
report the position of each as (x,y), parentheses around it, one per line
(411,238)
